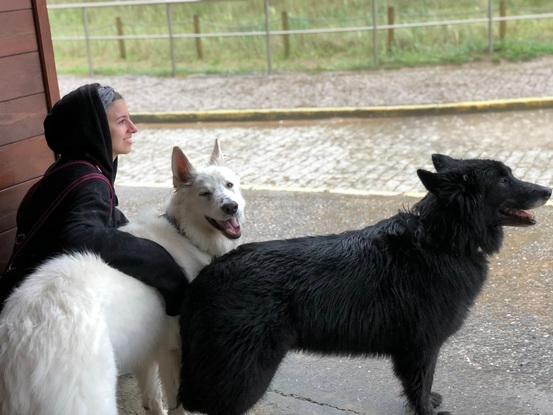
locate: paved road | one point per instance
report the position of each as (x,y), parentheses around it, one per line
(499,363)
(374,155)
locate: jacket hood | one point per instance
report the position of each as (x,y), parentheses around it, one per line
(77,129)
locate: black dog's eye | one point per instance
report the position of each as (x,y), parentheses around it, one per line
(205,194)
(230,185)
(504,180)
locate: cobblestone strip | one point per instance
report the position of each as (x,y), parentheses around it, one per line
(378,155)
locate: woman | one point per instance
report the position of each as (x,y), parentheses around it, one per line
(72,208)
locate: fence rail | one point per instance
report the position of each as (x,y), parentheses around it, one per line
(490,19)
(125,3)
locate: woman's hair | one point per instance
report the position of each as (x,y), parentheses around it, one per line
(108,95)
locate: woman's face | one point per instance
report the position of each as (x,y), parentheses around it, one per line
(121,127)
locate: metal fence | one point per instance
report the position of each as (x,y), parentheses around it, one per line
(267,33)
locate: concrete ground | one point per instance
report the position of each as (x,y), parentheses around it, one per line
(320,177)
(499,363)
(347,174)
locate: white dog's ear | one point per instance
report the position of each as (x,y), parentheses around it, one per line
(182,169)
(217,155)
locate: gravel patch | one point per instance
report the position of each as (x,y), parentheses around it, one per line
(423,85)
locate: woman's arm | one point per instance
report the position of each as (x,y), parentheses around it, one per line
(90,225)
(119,218)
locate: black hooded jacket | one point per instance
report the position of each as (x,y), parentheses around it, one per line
(72,208)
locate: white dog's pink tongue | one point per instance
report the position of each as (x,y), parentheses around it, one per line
(232,226)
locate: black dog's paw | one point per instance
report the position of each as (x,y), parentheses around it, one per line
(436,400)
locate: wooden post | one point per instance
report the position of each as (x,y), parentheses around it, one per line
(87,42)
(119,26)
(375,35)
(46,52)
(199,49)
(391,21)
(286,36)
(171,40)
(503,23)
(268,37)
(490,27)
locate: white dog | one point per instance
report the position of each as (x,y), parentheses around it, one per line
(75,324)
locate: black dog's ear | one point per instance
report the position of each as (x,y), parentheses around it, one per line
(443,185)
(442,161)
(430,180)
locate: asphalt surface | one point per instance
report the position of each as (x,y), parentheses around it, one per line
(499,363)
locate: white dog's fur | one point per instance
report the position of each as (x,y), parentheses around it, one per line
(76,323)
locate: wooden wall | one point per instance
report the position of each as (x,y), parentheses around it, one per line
(28,89)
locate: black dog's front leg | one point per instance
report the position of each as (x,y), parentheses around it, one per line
(415,369)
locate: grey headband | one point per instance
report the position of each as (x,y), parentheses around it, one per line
(107,95)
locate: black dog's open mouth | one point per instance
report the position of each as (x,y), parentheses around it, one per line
(516,217)
(230,227)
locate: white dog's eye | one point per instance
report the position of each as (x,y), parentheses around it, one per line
(230,185)
(205,194)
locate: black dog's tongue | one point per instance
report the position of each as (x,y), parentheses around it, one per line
(520,217)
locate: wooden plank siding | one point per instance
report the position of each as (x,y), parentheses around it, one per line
(22,118)
(21,76)
(13,159)
(17,32)
(8,5)
(28,89)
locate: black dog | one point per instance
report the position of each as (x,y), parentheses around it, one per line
(399,289)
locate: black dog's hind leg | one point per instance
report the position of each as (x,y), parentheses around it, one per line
(247,371)
(416,373)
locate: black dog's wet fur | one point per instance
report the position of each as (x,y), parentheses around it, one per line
(397,289)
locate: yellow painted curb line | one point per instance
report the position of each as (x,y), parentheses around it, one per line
(342,112)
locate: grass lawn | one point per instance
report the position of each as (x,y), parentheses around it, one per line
(307,52)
